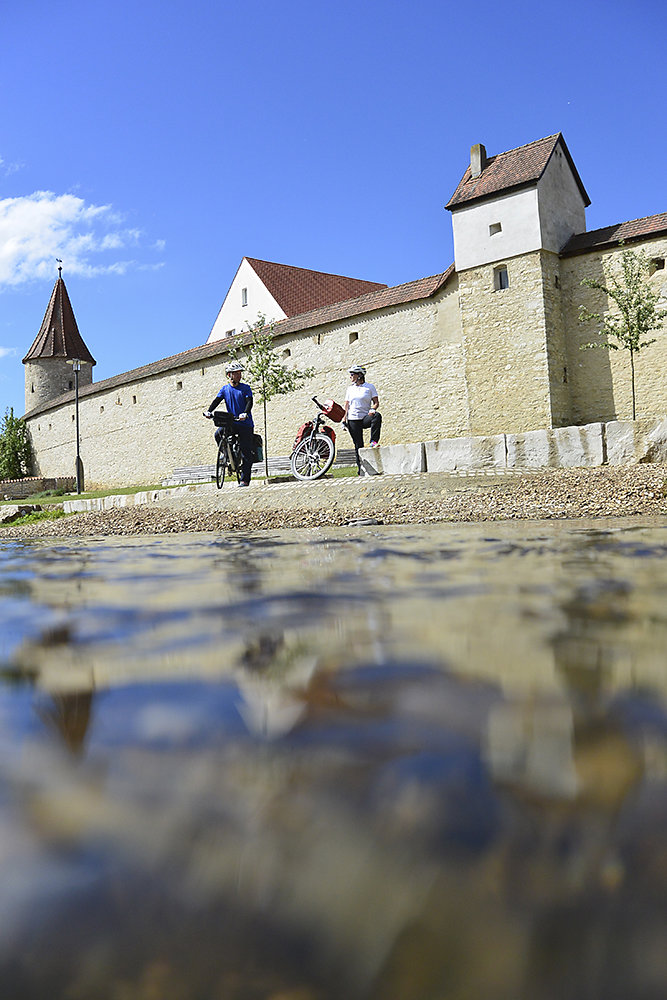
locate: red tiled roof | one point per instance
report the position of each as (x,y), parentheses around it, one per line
(513,169)
(298,290)
(412,291)
(626,232)
(59,335)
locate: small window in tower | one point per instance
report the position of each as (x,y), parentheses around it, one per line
(494,228)
(101,409)
(70,384)
(134,399)
(73,418)
(179,385)
(500,278)
(230,333)
(353,337)
(244,296)
(657,264)
(32,388)
(287,353)
(557,281)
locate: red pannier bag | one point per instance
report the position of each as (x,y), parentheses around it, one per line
(301,433)
(306,428)
(333,410)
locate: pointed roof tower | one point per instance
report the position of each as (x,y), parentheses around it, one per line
(59,335)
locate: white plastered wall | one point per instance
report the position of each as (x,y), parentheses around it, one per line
(518,215)
(238,318)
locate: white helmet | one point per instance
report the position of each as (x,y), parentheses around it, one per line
(357,370)
(233,366)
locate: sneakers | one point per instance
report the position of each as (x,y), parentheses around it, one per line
(375,444)
(244,484)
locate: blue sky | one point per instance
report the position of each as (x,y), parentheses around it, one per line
(152,144)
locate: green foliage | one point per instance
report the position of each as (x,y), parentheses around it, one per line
(634,313)
(266,372)
(38,515)
(15,447)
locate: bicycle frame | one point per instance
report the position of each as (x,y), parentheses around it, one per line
(229,447)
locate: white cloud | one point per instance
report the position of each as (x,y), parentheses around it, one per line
(37,228)
(7,352)
(6,169)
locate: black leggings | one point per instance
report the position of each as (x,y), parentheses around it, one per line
(356,429)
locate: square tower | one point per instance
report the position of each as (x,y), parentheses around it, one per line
(511,215)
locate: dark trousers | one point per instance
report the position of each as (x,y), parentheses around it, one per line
(356,429)
(245,434)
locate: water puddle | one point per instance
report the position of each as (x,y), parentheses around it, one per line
(384,763)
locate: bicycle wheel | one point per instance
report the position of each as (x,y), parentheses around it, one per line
(312,457)
(221,463)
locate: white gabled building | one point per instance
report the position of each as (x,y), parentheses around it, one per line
(279,291)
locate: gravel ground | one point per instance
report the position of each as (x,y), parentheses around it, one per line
(639,490)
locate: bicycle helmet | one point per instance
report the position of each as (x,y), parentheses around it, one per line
(357,370)
(233,366)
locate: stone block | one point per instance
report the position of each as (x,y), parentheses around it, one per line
(578,446)
(530,450)
(393,459)
(556,448)
(632,441)
(450,454)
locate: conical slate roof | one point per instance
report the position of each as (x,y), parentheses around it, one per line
(59,335)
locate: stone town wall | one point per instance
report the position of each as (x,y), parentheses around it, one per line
(137,433)
(504,340)
(599,379)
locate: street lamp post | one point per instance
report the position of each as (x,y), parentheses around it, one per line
(76,366)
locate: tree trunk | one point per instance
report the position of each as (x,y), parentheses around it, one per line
(632,371)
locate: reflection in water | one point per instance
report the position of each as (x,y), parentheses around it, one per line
(376,763)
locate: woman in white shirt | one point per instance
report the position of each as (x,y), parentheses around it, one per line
(361,410)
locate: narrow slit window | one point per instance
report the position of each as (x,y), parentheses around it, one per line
(494,228)
(101,409)
(501,278)
(134,399)
(353,337)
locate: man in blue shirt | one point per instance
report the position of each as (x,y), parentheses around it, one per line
(237,397)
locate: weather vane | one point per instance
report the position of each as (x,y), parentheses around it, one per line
(60,268)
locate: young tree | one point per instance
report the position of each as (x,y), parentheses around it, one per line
(267,373)
(635,311)
(15,447)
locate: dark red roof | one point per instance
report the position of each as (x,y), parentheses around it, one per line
(59,335)
(514,169)
(623,232)
(298,290)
